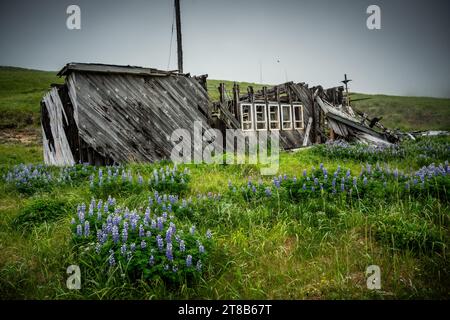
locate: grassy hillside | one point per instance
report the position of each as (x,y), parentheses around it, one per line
(407,113)
(21,91)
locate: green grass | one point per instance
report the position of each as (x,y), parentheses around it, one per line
(21,91)
(263,250)
(407,113)
(314,248)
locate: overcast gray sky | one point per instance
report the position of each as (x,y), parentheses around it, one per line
(314,41)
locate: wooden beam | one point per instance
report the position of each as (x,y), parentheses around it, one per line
(179,40)
(308,130)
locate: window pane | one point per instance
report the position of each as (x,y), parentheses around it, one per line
(286,113)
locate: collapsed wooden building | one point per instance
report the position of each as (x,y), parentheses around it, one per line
(106,114)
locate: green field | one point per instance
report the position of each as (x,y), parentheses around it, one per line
(272,237)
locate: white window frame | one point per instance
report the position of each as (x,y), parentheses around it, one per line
(302,123)
(270,120)
(264,113)
(251,122)
(289,107)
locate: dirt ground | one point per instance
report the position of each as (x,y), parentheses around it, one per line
(28,136)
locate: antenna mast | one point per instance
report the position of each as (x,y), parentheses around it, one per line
(346,81)
(179,41)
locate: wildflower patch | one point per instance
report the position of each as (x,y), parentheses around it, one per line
(147,244)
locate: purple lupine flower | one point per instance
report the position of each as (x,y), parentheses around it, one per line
(123,249)
(304,173)
(160,242)
(354,181)
(99,235)
(396,173)
(268,192)
(276,182)
(189,261)
(115,234)
(173,227)
(112,261)
(86,229)
(72,221)
(365,180)
(182,246)
(151,261)
(141,231)
(333,183)
(316,181)
(348,173)
(407,185)
(169,235)
(104,237)
(98,247)
(81,216)
(148,234)
(143,244)
(153,224)
(133,247)
(201,248)
(100,204)
(169,254)
(160,223)
(175,269)
(192,230)
(79,230)
(208,234)
(342,187)
(133,222)
(199,266)
(125,232)
(304,187)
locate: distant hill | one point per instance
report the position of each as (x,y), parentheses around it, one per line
(22,89)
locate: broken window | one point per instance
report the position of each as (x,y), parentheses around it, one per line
(274,117)
(298,116)
(246,117)
(260,117)
(286,116)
